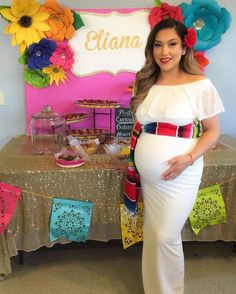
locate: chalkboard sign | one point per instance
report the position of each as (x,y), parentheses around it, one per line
(123,122)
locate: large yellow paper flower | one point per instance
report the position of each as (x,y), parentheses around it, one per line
(55,73)
(27,24)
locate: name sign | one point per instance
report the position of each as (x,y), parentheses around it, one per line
(123,122)
(111,42)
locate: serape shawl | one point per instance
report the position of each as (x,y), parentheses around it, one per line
(132,184)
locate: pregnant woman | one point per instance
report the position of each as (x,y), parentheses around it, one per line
(176,107)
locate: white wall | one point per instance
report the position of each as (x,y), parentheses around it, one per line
(221,69)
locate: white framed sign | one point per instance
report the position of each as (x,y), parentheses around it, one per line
(113,42)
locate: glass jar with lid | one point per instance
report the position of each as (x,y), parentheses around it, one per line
(48,131)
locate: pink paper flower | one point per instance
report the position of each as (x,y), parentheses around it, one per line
(164,11)
(63,56)
(191,38)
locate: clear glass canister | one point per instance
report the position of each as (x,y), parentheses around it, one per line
(48,131)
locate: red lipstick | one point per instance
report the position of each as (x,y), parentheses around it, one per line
(165,60)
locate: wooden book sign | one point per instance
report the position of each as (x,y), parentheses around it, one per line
(123,122)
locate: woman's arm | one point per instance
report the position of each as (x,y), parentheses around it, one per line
(211,132)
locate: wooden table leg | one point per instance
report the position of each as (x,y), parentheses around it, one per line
(234,247)
(21,257)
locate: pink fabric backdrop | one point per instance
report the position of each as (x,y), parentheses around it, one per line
(99,86)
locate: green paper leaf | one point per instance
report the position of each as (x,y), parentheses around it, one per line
(78,22)
(4,6)
(23,59)
(157,3)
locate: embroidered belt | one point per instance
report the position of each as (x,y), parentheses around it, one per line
(191,130)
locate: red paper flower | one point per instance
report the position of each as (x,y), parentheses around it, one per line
(201,59)
(130,88)
(191,38)
(164,11)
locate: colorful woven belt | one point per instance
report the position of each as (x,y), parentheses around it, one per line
(191,130)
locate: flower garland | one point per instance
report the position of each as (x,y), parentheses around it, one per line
(42,33)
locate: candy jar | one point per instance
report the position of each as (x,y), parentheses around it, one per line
(48,131)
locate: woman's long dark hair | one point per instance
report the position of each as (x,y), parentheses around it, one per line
(150,72)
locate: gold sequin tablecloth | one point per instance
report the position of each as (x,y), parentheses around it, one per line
(99,181)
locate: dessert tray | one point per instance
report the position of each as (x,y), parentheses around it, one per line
(90,146)
(117,147)
(75,117)
(92,103)
(68,160)
(88,133)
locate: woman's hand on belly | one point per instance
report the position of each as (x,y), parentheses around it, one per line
(177,165)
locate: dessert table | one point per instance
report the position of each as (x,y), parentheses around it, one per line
(99,181)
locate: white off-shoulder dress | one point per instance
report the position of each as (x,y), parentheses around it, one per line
(167,204)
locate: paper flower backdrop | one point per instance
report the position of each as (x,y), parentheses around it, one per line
(209,19)
(42,33)
(26,23)
(56,73)
(206,17)
(60,21)
(164,11)
(39,53)
(201,59)
(36,78)
(63,56)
